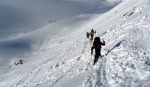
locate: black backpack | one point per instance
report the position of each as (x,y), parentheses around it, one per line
(96,40)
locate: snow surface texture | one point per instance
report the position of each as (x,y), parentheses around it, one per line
(63,59)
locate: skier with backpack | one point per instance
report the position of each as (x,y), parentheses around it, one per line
(97,46)
(87,35)
(92,33)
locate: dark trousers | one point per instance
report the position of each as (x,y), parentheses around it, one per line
(92,36)
(97,55)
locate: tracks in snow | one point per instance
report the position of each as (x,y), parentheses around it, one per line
(67,67)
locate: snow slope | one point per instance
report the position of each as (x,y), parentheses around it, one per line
(26,15)
(24,40)
(64,60)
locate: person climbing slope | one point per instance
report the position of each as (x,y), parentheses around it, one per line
(87,35)
(97,45)
(92,33)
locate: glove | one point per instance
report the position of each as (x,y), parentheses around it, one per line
(103,41)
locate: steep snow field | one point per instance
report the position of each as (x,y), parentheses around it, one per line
(63,59)
(20,17)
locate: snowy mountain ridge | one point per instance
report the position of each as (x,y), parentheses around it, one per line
(64,60)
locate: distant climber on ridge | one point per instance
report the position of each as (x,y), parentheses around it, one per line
(97,45)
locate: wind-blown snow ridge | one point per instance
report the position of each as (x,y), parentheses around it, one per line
(65,60)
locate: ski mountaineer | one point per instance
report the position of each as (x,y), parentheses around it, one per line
(20,62)
(92,33)
(97,46)
(87,35)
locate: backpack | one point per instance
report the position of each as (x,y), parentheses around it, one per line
(92,32)
(97,39)
(97,42)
